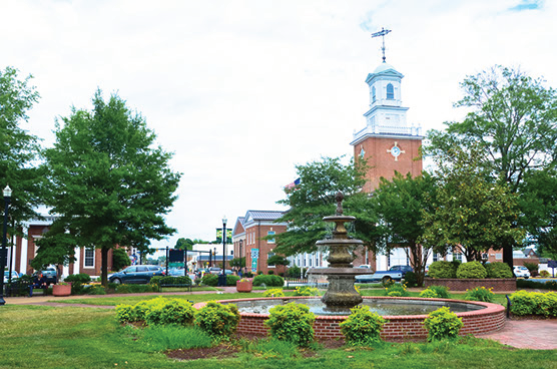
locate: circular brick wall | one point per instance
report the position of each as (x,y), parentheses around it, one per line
(487,320)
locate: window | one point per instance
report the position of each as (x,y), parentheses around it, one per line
(270,255)
(271,233)
(499,256)
(457,256)
(142,269)
(435,257)
(89,260)
(390,92)
(373,94)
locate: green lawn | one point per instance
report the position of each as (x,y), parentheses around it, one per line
(46,337)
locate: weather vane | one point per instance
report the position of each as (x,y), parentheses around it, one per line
(382,33)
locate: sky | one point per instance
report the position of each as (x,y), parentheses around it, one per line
(243,91)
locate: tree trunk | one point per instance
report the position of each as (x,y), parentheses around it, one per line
(508,255)
(104,266)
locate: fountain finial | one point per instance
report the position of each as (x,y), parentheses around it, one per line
(339,197)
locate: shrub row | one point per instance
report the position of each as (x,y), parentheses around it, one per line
(212,280)
(472,269)
(268,280)
(524,283)
(436,292)
(534,303)
(171,280)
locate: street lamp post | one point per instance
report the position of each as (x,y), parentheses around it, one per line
(3,254)
(222,279)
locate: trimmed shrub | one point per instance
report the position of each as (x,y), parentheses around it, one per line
(524,283)
(80,278)
(271,272)
(169,311)
(291,322)
(442,324)
(96,290)
(442,269)
(396,290)
(479,294)
(218,320)
(498,270)
(137,288)
(140,310)
(410,279)
(441,291)
(472,269)
(268,280)
(210,280)
(293,272)
(534,303)
(545,274)
(362,327)
(306,291)
(231,280)
(124,313)
(427,293)
(274,292)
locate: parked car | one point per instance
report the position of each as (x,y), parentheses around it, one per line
(49,273)
(403,268)
(176,272)
(7,274)
(395,273)
(521,271)
(136,274)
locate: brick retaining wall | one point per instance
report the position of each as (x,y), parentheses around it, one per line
(456,284)
(487,320)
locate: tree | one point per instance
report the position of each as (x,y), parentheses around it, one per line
(120,259)
(400,205)
(278,260)
(19,149)
(538,202)
(238,262)
(314,198)
(109,185)
(184,243)
(512,117)
(473,213)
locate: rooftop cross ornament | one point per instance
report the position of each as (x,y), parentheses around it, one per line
(396,151)
(382,33)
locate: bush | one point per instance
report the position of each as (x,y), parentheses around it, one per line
(410,279)
(231,280)
(271,272)
(156,280)
(80,278)
(442,269)
(396,290)
(479,294)
(268,280)
(441,291)
(362,327)
(291,322)
(545,274)
(274,292)
(260,273)
(498,270)
(140,310)
(442,324)
(306,291)
(96,290)
(532,268)
(77,288)
(524,283)
(124,313)
(210,280)
(534,303)
(137,288)
(169,311)
(472,269)
(427,293)
(218,320)
(293,272)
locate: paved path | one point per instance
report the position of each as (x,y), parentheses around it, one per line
(527,334)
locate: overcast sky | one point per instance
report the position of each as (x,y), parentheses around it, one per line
(243,91)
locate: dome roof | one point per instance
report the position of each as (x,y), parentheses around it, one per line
(383,67)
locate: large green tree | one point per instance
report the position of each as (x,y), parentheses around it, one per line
(401,204)
(314,198)
(183,244)
(473,212)
(512,116)
(19,149)
(110,184)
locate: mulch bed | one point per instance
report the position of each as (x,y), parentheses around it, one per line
(218,352)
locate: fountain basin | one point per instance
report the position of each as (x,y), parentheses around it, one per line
(480,317)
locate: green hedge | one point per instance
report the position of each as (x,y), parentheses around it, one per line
(524,283)
(534,303)
(137,288)
(80,278)
(472,269)
(171,280)
(213,280)
(498,270)
(268,280)
(442,269)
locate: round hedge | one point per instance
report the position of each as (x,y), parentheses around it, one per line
(498,270)
(472,269)
(268,280)
(442,269)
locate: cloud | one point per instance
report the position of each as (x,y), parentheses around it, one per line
(527,5)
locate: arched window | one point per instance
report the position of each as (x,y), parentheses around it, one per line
(373,94)
(390,92)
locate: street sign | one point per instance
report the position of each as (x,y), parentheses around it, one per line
(552,264)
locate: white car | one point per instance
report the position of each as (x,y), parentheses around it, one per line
(521,271)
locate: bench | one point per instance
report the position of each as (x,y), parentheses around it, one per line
(188,286)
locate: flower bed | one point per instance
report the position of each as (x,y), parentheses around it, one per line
(457,284)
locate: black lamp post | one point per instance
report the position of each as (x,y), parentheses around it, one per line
(3,253)
(222,279)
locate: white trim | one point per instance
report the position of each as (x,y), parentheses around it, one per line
(270,223)
(85,257)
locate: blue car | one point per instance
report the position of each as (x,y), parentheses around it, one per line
(137,274)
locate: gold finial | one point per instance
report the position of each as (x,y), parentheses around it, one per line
(339,197)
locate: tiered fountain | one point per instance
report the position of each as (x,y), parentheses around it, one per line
(341,295)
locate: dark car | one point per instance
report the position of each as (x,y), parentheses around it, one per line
(49,273)
(402,268)
(138,274)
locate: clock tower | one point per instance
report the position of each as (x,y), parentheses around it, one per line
(387,142)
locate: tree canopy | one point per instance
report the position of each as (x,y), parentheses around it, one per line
(512,117)
(184,243)
(109,184)
(19,149)
(314,197)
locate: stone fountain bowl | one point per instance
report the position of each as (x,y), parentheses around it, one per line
(478,317)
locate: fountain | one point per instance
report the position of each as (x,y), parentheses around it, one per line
(341,295)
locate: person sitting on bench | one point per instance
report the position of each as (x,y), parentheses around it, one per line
(38,283)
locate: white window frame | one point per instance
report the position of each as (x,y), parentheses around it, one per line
(271,233)
(269,255)
(85,266)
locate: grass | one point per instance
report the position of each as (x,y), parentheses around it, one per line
(62,338)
